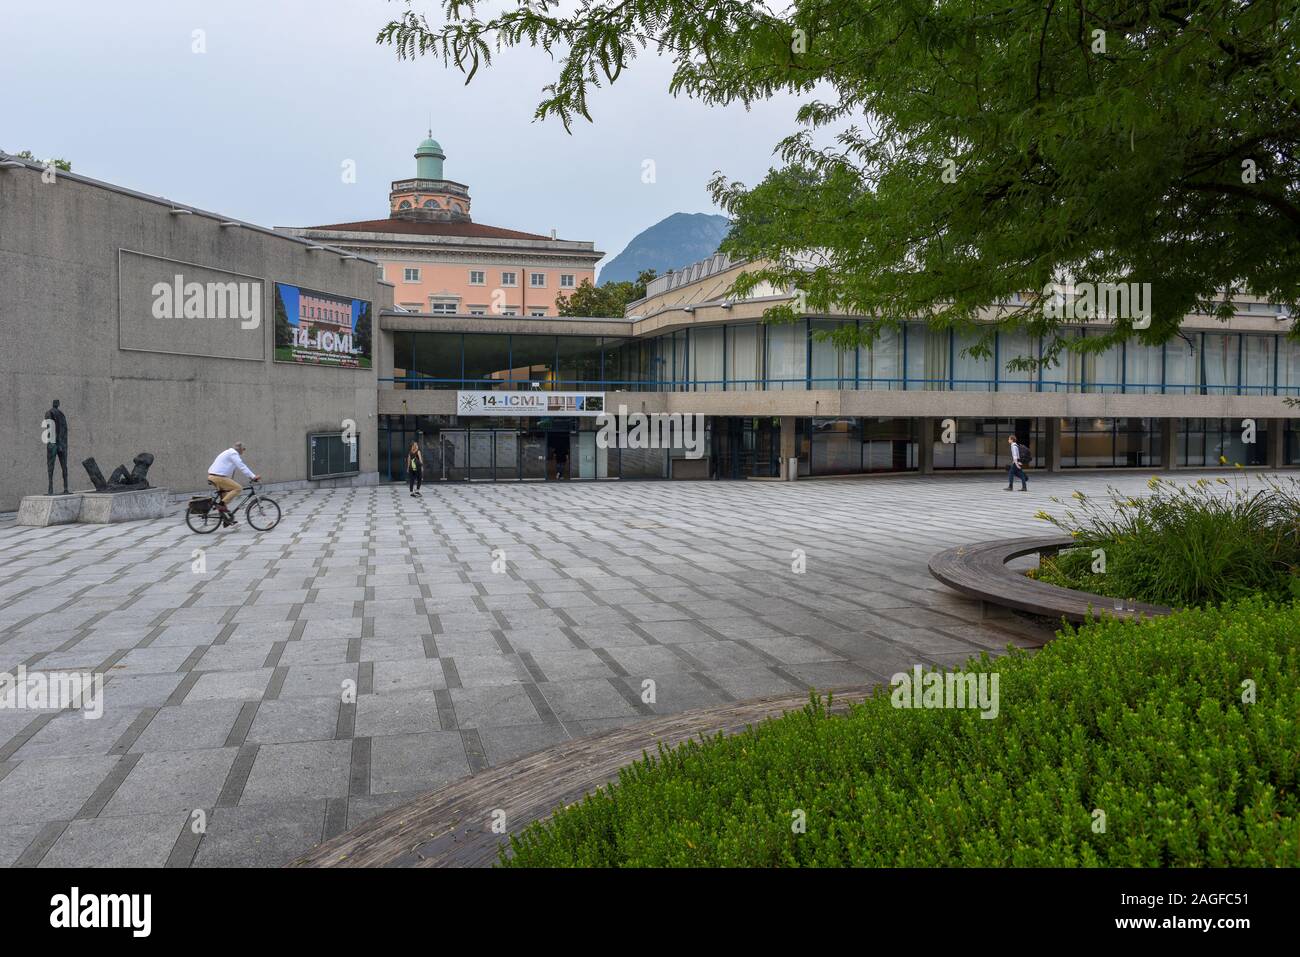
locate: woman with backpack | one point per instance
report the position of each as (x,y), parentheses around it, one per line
(414,469)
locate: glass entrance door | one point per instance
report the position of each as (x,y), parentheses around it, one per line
(507,455)
(454,446)
(532,455)
(586,455)
(480,454)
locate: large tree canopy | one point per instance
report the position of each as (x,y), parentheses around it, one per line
(977,148)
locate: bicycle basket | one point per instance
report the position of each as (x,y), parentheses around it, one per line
(200,506)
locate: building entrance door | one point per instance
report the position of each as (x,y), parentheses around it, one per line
(726,448)
(558,445)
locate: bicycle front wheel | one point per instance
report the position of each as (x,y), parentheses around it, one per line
(263,514)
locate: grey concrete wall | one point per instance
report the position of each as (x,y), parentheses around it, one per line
(59,307)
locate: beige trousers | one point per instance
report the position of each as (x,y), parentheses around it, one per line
(229,487)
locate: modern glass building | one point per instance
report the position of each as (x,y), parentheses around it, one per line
(918,399)
(517,397)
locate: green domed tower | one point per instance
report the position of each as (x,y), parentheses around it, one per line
(428,195)
(428,159)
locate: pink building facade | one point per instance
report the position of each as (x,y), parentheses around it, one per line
(441,262)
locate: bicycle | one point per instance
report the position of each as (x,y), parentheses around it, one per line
(203,514)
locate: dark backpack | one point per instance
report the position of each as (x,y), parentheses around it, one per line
(1026,457)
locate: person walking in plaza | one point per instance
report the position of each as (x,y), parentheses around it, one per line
(414,470)
(221,474)
(1016,468)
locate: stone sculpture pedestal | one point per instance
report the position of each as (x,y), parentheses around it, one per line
(103,508)
(49,509)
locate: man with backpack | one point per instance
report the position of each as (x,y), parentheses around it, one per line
(1016,468)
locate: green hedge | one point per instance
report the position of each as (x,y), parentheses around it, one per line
(1144,722)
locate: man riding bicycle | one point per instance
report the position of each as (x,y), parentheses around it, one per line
(221,474)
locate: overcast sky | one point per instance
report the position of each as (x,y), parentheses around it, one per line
(258,127)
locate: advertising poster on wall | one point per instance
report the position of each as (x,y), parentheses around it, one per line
(316,328)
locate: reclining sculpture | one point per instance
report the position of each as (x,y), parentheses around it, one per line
(121,480)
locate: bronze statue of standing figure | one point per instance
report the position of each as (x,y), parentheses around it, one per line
(57,446)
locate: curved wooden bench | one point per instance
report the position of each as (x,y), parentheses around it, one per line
(452,827)
(980,571)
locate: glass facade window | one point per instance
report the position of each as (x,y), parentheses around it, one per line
(854,446)
(928,354)
(1087,443)
(744,358)
(835,446)
(614,369)
(1111,443)
(1138,443)
(403,357)
(707,359)
(1012,346)
(787,355)
(890,444)
(1190,444)
(971,373)
(750,356)
(1065,372)
(1183,364)
(437,356)
(532,362)
(832,367)
(1288,366)
(1211,443)
(579,362)
(487,361)
(1257,365)
(1143,368)
(880,365)
(1104,371)
(1219,362)
(745,447)
(1291,442)
(982,443)
(681,361)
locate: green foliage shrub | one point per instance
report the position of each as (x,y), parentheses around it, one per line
(1184,545)
(1143,722)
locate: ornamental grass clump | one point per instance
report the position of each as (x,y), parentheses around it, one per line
(1198,543)
(1171,742)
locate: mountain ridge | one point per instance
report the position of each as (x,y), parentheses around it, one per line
(675,241)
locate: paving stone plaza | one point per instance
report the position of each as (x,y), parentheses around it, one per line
(476,624)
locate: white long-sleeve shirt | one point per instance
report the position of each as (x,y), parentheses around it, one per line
(226,463)
(1015,452)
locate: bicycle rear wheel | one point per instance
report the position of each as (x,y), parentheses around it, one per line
(262,513)
(203,522)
